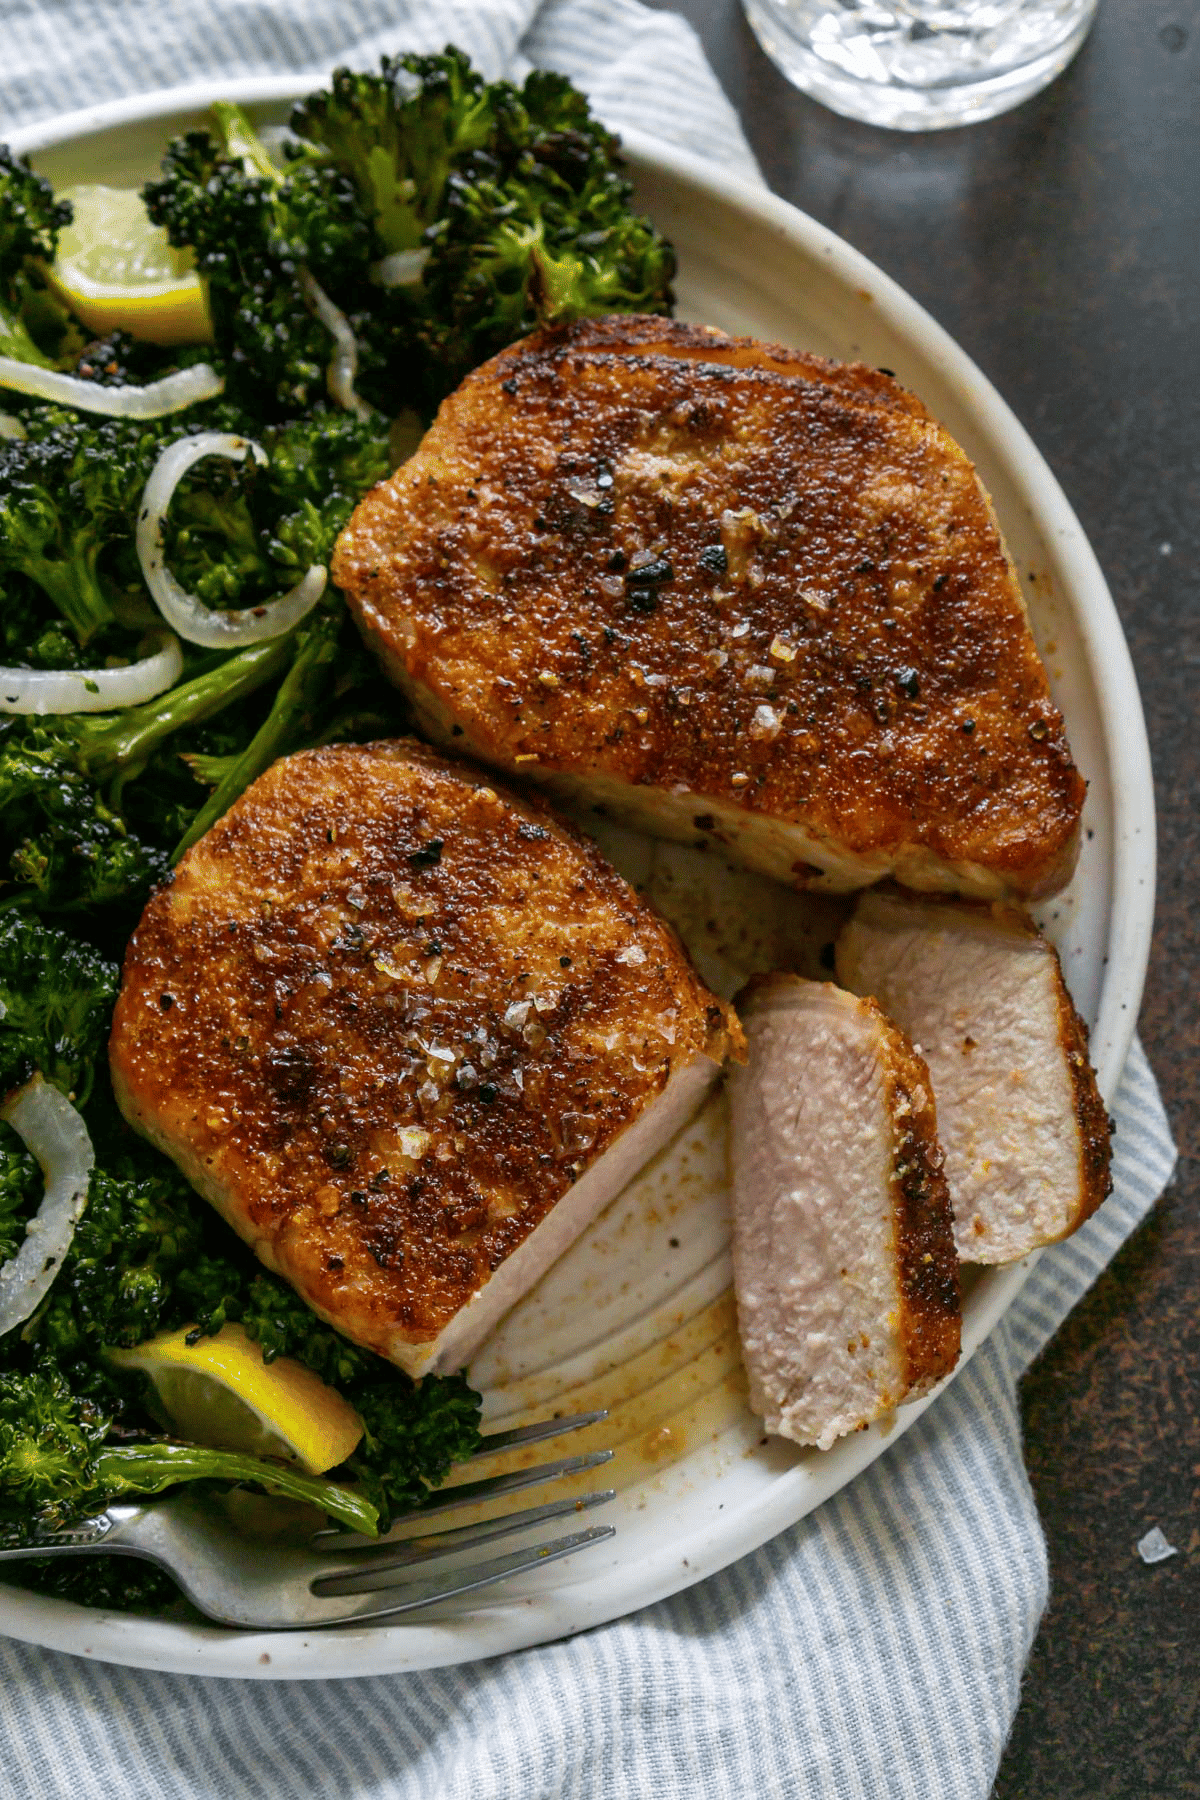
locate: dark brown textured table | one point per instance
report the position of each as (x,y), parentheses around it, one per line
(1060,245)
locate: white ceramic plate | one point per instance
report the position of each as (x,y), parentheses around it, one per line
(638,1315)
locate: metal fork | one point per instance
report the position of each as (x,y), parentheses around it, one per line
(337,1577)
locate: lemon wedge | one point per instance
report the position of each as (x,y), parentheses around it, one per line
(117,271)
(219,1392)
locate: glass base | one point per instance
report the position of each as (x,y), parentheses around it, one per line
(920,66)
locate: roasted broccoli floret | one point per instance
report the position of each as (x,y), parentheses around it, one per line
(414,1431)
(236,534)
(239,532)
(48,1444)
(399,134)
(62,847)
(516,196)
(56,1466)
(148,1256)
(57,996)
(548,236)
(30,217)
(72,833)
(20,1191)
(142,1225)
(253,226)
(65,844)
(69,495)
(60,506)
(35,327)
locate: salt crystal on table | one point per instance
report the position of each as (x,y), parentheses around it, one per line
(1154,1548)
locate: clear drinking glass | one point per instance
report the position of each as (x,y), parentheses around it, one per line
(920,65)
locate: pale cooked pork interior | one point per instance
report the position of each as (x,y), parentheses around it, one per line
(602,1182)
(846,1282)
(981,993)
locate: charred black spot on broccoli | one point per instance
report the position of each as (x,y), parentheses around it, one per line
(35,326)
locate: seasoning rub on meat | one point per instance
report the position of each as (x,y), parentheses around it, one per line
(732,592)
(1022,1124)
(843,1250)
(408,1033)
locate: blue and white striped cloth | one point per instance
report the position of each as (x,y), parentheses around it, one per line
(874,1651)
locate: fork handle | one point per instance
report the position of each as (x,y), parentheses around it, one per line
(100,1533)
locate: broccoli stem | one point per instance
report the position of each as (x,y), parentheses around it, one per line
(149,1468)
(125,743)
(239,138)
(74,588)
(292,716)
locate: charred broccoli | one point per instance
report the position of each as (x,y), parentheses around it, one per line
(73,834)
(20,1191)
(547,236)
(34,325)
(147,1257)
(515,196)
(254,226)
(57,1467)
(398,135)
(68,488)
(237,533)
(443,215)
(56,996)
(65,844)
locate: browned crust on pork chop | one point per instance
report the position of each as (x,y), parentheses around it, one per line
(931,1316)
(545,578)
(385,1015)
(1091,1111)
(1095,1126)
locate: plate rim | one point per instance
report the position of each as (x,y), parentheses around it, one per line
(578,1605)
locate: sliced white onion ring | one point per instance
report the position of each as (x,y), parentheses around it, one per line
(344,364)
(401,268)
(92,690)
(184,612)
(50,1127)
(154,401)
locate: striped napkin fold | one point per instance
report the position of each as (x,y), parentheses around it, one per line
(875,1649)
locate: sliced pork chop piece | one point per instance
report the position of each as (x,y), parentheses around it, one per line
(409,1034)
(843,1251)
(728,591)
(981,992)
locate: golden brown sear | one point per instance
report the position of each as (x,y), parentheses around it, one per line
(733,592)
(385,1017)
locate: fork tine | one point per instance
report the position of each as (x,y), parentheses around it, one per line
(463,1581)
(495,1441)
(449,1499)
(362,1574)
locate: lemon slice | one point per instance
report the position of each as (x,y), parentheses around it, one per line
(219,1392)
(117,270)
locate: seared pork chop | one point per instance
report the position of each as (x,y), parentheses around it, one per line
(728,591)
(408,1034)
(981,992)
(843,1252)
